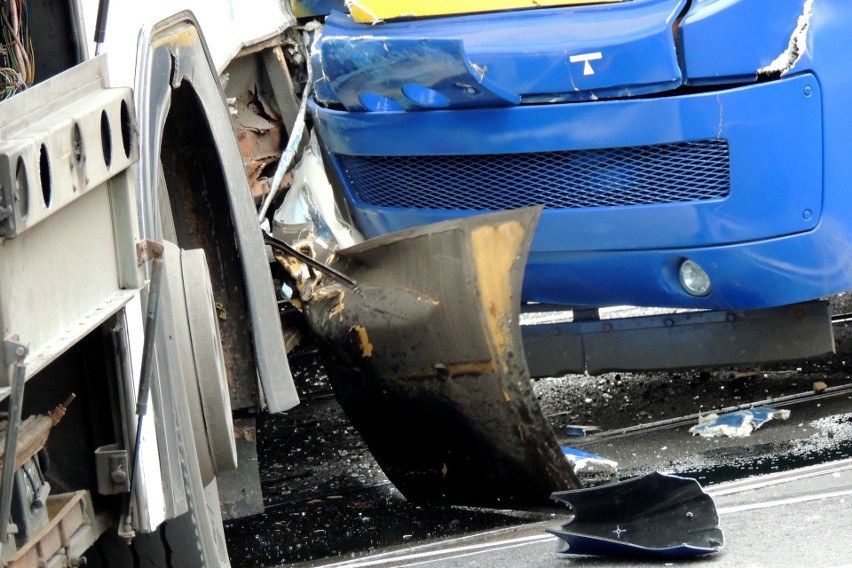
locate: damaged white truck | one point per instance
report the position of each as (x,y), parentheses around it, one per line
(135,273)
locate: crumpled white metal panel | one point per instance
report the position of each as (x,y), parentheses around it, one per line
(228,25)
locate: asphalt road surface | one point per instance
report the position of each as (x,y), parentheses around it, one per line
(794,519)
(328,503)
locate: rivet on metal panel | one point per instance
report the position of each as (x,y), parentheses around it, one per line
(13,351)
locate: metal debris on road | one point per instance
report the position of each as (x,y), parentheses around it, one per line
(577,431)
(584,462)
(655,515)
(736,424)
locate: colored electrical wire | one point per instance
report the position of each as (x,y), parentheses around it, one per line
(17,58)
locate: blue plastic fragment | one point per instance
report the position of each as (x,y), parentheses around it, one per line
(579,431)
(655,515)
(408,73)
(584,462)
(737,424)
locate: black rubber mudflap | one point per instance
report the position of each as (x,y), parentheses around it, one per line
(427,361)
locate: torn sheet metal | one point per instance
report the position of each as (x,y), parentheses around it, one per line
(737,424)
(425,358)
(259,136)
(586,463)
(387,74)
(655,515)
(309,210)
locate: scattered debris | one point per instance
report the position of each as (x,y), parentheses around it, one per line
(654,515)
(577,431)
(586,463)
(736,424)
(819,386)
(259,134)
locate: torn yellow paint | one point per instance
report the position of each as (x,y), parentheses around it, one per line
(506,395)
(339,307)
(366,347)
(495,249)
(375,11)
(337,310)
(182,36)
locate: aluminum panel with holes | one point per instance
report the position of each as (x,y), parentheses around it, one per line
(67,213)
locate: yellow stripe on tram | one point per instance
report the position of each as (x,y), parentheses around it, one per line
(374,11)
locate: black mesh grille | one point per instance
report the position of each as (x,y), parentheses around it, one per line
(613,177)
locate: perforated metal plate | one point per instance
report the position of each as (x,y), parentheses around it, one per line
(67,237)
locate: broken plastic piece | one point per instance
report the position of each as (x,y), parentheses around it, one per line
(736,424)
(584,462)
(413,73)
(580,431)
(655,515)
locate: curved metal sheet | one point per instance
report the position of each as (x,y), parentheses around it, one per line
(426,359)
(651,515)
(173,53)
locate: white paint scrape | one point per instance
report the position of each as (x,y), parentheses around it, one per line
(797,46)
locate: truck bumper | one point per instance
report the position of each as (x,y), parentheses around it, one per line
(732,179)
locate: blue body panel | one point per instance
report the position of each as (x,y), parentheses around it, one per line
(780,235)
(786,193)
(367,71)
(575,53)
(724,41)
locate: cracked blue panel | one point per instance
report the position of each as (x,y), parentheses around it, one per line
(566,53)
(380,74)
(727,40)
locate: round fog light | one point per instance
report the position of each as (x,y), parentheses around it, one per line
(694,280)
